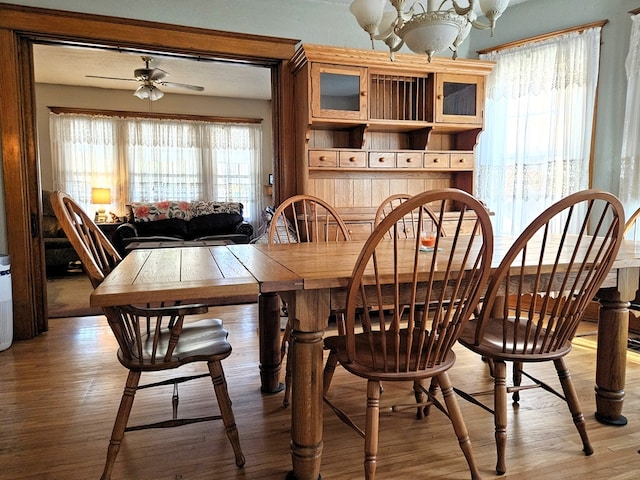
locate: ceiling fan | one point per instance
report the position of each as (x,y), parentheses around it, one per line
(149,79)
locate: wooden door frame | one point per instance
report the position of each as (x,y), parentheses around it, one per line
(19,28)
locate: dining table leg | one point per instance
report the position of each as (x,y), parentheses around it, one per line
(310,311)
(269,342)
(611,355)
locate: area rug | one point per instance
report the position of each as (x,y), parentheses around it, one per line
(68,296)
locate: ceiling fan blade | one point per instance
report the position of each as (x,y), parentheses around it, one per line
(112,78)
(157,74)
(197,88)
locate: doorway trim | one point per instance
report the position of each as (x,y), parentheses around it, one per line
(20,27)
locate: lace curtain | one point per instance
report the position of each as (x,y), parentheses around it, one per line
(630,164)
(539,114)
(143,159)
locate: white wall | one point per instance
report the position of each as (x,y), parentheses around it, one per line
(99,98)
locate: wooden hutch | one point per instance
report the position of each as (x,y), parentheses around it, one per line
(368,127)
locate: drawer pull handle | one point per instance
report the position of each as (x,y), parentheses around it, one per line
(381,159)
(461,160)
(352,159)
(323,158)
(436,160)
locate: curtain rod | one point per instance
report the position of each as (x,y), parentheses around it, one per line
(544,36)
(167,116)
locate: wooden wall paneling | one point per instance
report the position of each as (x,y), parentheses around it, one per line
(380,189)
(343,192)
(362,192)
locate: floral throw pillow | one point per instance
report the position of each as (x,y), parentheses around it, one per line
(152,211)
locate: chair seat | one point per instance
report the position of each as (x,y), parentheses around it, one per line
(199,341)
(496,342)
(372,368)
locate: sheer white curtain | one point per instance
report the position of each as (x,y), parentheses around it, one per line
(539,114)
(630,166)
(85,154)
(231,163)
(164,160)
(144,159)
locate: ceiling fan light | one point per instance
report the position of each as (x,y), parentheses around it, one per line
(148,91)
(155,94)
(142,92)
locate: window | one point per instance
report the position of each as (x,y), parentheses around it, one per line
(539,115)
(150,159)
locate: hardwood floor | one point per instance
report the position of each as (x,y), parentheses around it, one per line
(59,394)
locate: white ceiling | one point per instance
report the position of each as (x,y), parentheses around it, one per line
(69,65)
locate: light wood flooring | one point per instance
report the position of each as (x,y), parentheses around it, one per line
(59,394)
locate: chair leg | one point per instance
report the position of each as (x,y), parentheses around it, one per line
(329,369)
(457,421)
(287,379)
(284,344)
(517,380)
(224,403)
(500,413)
(372,426)
(573,403)
(126,402)
(433,391)
(419,396)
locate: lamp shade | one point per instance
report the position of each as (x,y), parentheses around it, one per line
(431,32)
(368,13)
(101,196)
(148,91)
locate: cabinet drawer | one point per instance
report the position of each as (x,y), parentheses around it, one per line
(409,160)
(436,160)
(461,161)
(382,159)
(353,159)
(359,231)
(323,158)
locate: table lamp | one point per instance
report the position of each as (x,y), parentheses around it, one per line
(101,196)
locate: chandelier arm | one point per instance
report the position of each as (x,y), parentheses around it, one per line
(480,25)
(462,10)
(406,16)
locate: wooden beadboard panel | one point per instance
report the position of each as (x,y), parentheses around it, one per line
(366,191)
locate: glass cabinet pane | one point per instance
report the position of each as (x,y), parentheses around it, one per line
(459,98)
(339,92)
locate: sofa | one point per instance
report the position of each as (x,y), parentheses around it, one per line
(175,221)
(58,251)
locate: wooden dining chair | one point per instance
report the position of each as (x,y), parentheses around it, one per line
(531,314)
(632,226)
(151,339)
(632,232)
(407,226)
(304,218)
(392,347)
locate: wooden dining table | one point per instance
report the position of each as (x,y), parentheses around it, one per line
(313,277)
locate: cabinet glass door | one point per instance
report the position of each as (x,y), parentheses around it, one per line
(338,92)
(459,99)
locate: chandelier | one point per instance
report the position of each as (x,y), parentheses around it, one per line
(425,31)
